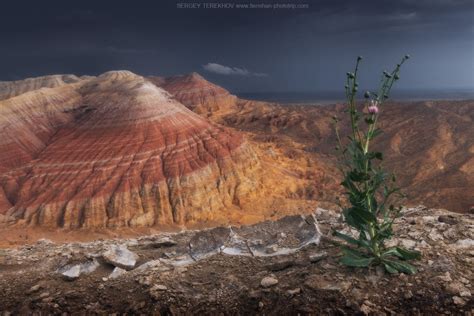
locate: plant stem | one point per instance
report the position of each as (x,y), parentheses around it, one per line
(374,244)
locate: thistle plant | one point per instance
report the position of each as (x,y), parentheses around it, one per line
(371,191)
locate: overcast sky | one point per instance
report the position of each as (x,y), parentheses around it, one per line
(245,50)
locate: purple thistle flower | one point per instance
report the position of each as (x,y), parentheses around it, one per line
(373,108)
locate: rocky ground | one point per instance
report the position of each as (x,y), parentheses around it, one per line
(285,267)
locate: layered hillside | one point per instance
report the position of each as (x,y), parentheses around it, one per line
(429,145)
(10,89)
(198,94)
(117,151)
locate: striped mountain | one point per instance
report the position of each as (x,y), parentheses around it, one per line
(116,151)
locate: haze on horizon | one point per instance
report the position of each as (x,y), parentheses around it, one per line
(307,49)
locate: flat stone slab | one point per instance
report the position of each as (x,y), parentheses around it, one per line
(268,238)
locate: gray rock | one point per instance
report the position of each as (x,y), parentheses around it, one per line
(294,291)
(268,281)
(34,288)
(465,243)
(72,272)
(458,301)
(280,265)
(121,257)
(448,219)
(313,258)
(164,242)
(155,265)
(435,236)
(318,282)
(208,242)
(465,293)
(89,266)
(159,287)
(117,272)
(456,288)
(408,243)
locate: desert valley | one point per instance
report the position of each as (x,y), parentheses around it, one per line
(153,164)
(121,150)
(269,157)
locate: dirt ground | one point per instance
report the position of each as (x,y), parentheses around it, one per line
(308,281)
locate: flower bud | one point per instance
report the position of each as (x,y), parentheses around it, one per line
(367,94)
(396,77)
(407,56)
(359,58)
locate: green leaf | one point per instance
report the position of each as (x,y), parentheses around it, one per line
(375,133)
(356,262)
(357,176)
(350,239)
(385,231)
(390,269)
(391,252)
(400,266)
(375,154)
(362,215)
(369,120)
(408,254)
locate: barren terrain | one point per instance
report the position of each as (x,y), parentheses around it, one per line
(273,268)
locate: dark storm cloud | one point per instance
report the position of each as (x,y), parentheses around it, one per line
(299,49)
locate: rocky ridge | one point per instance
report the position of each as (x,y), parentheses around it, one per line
(9,89)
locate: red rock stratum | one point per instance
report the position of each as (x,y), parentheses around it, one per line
(116,151)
